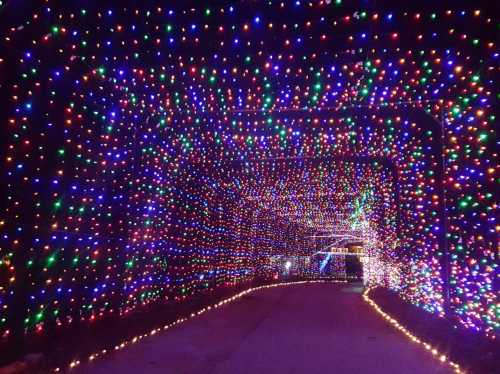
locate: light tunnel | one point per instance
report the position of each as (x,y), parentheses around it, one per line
(153,153)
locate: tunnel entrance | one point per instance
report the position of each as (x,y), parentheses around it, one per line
(154,154)
(354,268)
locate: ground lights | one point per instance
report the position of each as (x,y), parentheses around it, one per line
(435,353)
(413,338)
(73,364)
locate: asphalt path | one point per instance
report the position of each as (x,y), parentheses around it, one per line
(302,328)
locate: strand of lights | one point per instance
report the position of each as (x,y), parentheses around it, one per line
(413,338)
(73,364)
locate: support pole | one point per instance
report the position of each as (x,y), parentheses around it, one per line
(444,218)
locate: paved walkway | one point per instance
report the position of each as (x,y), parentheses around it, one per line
(308,328)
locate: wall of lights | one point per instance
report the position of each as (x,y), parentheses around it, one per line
(151,154)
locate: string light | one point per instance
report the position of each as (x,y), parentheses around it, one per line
(442,358)
(138,338)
